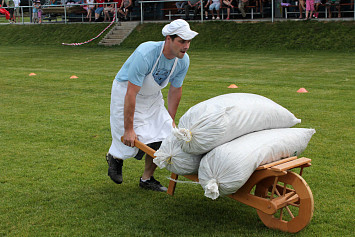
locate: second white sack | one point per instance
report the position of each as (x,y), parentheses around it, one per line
(226,168)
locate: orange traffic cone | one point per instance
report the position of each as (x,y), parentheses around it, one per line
(74,77)
(232,86)
(302,90)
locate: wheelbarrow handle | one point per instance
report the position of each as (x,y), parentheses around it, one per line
(143,147)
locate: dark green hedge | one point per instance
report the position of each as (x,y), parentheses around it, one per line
(221,35)
(299,35)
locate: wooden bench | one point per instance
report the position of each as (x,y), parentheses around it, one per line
(67,12)
(62,10)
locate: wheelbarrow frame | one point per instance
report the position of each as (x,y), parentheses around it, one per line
(277,189)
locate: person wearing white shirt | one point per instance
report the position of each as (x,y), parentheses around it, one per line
(17,10)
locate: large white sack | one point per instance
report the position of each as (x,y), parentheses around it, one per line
(173,158)
(223,118)
(226,168)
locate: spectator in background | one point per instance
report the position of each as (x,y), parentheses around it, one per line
(215,4)
(99,9)
(53,2)
(39,7)
(5,12)
(17,10)
(301,8)
(206,4)
(107,8)
(115,5)
(336,3)
(317,3)
(180,6)
(90,8)
(309,9)
(126,7)
(258,5)
(242,4)
(10,8)
(34,12)
(229,5)
(195,5)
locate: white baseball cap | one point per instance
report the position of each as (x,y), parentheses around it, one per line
(180,28)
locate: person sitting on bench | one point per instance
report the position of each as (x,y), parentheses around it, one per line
(126,7)
(195,5)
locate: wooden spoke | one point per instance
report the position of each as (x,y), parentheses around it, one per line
(281,213)
(293,204)
(289,212)
(274,188)
(284,190)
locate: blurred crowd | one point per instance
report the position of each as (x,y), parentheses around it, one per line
(104,10)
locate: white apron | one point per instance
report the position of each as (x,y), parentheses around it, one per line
(152,122)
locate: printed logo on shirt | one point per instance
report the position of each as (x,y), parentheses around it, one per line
(160,75)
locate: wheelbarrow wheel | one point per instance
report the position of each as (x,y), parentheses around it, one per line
(297,206)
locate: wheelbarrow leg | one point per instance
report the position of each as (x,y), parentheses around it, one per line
(172,184)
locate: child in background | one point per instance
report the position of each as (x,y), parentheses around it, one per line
(34,12)
(39,12)
(309,8)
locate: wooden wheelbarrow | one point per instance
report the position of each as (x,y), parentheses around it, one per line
(282,198)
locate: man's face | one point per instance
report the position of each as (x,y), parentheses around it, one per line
(178,47)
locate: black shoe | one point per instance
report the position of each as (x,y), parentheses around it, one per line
(152,184)
(114,168)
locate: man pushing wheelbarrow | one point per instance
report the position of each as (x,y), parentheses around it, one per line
(137,108)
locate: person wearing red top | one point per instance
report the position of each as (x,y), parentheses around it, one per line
(99,9)
(111,8)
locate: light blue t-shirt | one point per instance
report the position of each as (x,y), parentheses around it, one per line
(142,60)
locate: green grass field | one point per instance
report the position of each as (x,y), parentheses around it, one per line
(55,132)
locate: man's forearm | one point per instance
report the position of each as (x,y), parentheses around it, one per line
(129,107)
(174,97)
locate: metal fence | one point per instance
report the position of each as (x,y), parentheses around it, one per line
(64,10)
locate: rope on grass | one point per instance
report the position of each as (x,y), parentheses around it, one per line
(88,41)
(180,181)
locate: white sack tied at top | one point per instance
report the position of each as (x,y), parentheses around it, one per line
(223,118)
(227,168)
(173,158)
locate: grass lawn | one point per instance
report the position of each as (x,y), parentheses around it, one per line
(55,132)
